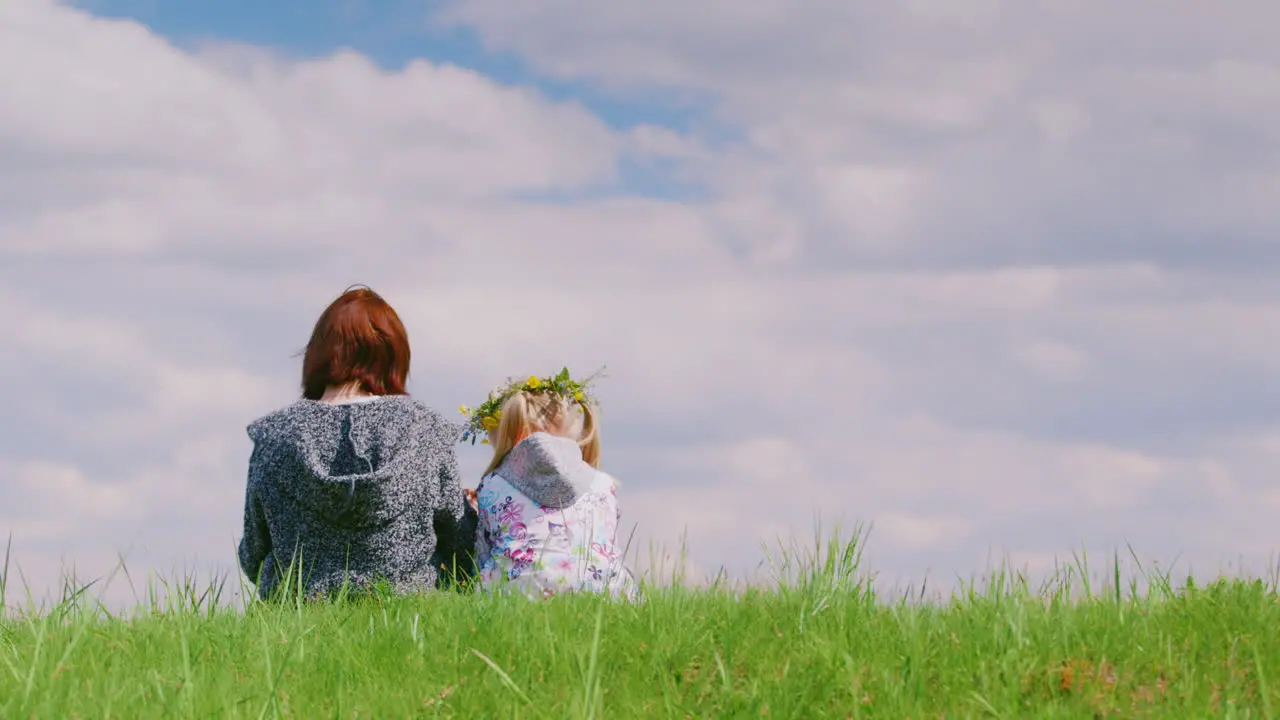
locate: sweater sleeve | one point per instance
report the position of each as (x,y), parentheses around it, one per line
(255,545)
(455,520)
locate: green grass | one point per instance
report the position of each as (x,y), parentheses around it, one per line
(817,643)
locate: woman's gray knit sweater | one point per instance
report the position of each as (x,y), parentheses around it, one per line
(359,492)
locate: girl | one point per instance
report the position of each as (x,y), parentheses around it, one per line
(548,517)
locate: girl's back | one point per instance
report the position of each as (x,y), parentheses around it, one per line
(549,523)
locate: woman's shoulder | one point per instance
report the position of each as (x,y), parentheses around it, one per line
(420,410)
(425,417)
(282,421)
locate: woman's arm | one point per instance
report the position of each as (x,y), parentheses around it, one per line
(255,545)
(455,520)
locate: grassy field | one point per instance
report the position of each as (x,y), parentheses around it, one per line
(817,644)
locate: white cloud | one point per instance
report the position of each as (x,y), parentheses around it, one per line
(61,497)
(108,121)
(1061,120)
(921,533)
(987,290)
(1032,132)
(1052,360)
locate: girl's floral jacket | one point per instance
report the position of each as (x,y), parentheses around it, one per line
(549,523)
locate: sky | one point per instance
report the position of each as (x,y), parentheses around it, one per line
(997,279)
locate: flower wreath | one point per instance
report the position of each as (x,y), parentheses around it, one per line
(484,419)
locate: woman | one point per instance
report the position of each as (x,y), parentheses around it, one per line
(356,482)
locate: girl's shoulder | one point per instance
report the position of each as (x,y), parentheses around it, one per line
(494,484)
(604,479)
(494,491)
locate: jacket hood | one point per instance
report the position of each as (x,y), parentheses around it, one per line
(548,469)
(345,461)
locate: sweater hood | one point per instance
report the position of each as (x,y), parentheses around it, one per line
(345,462)
(548,469)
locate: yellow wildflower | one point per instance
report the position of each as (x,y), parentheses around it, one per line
(484,441)
(497,414)
(533,383)
(464,409)
(578,396)
(490,423)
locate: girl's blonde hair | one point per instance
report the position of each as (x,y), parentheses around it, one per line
(525,413)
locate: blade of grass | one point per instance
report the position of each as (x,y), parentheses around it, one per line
(1263,690)
(592,682)
(4,576)
(502,675)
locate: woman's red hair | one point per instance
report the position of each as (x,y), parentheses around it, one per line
(358,339)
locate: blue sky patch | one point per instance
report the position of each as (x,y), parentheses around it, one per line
(391,33)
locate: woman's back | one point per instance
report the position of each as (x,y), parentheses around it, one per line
(355,492)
